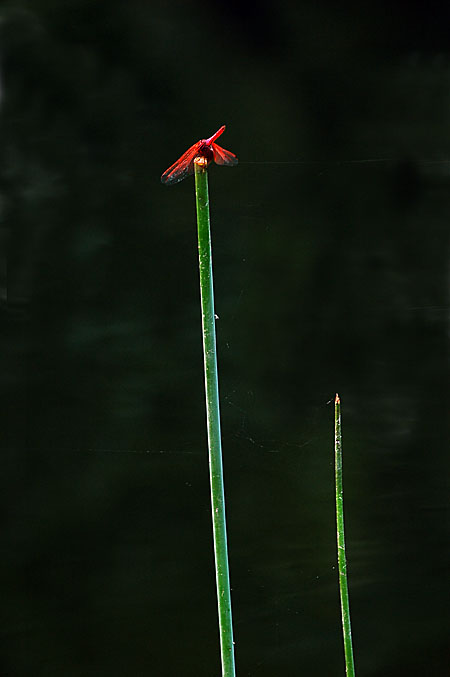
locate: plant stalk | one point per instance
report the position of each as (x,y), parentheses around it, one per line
(213,419)
(342,561)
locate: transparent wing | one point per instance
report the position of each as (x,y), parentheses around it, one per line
(182,167)
(222,156)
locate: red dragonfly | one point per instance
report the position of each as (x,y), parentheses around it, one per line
(206,148)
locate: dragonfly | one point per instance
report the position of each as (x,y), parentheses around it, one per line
(206,148)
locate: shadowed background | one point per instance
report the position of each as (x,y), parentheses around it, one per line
(330,243)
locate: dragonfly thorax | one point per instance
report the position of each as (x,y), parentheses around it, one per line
(205,150)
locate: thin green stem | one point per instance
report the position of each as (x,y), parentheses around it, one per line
(213,421)
(342,561)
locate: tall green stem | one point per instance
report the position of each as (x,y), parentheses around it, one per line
(342,561)
(213,420)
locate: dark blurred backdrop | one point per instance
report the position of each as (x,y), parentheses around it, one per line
(331,255)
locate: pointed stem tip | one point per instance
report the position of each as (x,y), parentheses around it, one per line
(337,400)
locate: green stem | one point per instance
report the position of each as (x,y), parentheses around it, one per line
(342,562)
(213,421)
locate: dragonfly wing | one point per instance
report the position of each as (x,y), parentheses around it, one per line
(182,167)
(223,157)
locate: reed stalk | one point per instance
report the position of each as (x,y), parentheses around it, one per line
(213,419)
(342,560)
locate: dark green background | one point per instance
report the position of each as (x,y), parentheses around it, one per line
(331,271)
